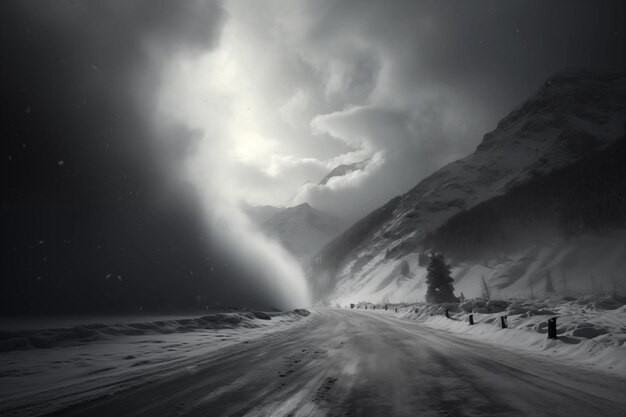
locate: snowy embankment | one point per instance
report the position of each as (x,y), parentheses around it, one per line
(27,334)
(591,330)
(43,365)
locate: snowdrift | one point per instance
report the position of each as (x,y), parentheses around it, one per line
(86,333)
(44,367)
(591,330)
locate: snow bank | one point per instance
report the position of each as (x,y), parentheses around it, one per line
(45,369)
(92,332)
(591,330)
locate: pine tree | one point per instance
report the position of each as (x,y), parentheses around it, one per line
(440,289)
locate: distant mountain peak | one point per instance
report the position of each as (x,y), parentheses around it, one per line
(302,229)
(301,206)
(260,214)
(343,169)
(577,101)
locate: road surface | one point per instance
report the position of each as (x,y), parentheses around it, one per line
(364,363)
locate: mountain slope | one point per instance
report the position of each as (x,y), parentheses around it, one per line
(586,196)
(572,114)
(302,230)
(260,214)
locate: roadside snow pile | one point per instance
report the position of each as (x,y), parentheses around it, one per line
(591,330)
(18,339)
(77,366)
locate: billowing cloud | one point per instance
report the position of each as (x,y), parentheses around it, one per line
(416,84)
(117,105)
(91,171)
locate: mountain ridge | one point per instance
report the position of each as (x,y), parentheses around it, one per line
(302,230)
(571,114)
(343,169)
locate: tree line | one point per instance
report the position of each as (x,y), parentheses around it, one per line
(588,195)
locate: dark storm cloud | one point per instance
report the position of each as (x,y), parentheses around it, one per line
(448,71)
(307,80)
(93,217)
(90,155)
(85,73)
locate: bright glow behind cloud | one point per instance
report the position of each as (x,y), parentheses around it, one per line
(296,88)
(204,93)
(279,108)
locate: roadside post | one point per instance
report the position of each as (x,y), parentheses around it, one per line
(552,328)
(447,313)
(471,319)
(503,322)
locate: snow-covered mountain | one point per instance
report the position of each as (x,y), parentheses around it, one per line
(302,230)
(343,169)
(572,114)
(260,214)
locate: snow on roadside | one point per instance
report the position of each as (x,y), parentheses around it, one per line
(67,368)
(591,330)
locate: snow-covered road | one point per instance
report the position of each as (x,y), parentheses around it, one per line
(363,363)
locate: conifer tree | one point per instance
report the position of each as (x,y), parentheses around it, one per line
(486,292)
(440,289)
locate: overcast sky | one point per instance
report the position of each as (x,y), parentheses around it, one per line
(293,89)
(130,108)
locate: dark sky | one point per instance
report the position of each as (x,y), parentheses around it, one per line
(106,103)
(92,220)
